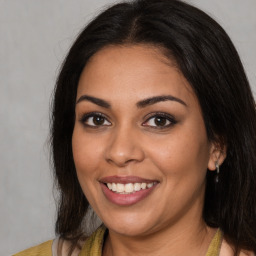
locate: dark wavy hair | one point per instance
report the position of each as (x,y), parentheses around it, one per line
(208,60)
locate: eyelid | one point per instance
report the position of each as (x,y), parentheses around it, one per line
(169,117)
(86,116)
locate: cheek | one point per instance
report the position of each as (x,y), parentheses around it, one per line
(183,165)
(86,152)
(183,154)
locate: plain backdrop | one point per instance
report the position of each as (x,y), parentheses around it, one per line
(34,38)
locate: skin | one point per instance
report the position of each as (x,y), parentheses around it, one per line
(129,142)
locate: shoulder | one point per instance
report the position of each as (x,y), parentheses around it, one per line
(43,249)
(54,247)
(227,250)
(94,243)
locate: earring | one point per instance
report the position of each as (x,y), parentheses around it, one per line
(216,178)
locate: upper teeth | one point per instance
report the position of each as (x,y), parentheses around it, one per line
(129,187)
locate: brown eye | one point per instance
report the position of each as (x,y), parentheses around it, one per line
(95,120)
(98,120)
(160,121)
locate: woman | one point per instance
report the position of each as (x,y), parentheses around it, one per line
(153,126)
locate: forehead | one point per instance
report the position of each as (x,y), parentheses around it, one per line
(132,72)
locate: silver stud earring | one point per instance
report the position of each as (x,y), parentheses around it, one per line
(216,178)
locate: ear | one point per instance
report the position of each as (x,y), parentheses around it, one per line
(217,154)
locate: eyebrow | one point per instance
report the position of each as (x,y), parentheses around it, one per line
(97,101)
(140,104)
(156,99)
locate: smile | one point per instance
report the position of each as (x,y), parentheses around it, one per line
(129,187)
(126,191)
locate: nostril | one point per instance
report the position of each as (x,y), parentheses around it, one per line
(124,148)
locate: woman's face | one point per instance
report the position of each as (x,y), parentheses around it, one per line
(139,143)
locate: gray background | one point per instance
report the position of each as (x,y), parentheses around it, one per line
(34,37)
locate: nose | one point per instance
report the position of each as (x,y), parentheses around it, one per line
(124,147)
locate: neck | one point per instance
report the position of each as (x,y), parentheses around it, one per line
(194,239)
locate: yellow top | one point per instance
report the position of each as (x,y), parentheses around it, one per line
(44,249)
(93,246)
(214,248)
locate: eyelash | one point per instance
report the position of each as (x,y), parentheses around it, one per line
(92,115)
(166,117)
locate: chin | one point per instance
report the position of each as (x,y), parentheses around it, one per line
(129,226)
(129,230)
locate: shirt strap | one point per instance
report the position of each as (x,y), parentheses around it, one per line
(214,248)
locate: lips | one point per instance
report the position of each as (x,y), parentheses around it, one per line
(129,187)
(125,191)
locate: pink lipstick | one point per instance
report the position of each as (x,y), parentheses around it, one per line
(128,190)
